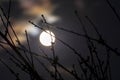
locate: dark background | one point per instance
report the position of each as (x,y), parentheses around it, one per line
(100,13)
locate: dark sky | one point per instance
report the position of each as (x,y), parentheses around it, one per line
(99,12)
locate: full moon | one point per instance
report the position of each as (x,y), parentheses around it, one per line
(47,38)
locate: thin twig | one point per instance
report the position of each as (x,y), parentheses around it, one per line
(113,9)
(29,48)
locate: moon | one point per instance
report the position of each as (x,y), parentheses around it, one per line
(47,38)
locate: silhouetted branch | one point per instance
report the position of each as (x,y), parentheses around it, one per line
(113,9)
(29,48)
(11,70)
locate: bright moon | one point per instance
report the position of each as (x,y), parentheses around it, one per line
(47,38)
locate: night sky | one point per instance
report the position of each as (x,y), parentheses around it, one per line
(62,14)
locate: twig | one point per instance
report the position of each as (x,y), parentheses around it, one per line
(113,9)
(29,49)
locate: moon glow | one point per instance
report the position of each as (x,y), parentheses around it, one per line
(47,38)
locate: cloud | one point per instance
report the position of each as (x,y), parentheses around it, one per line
(31,10)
